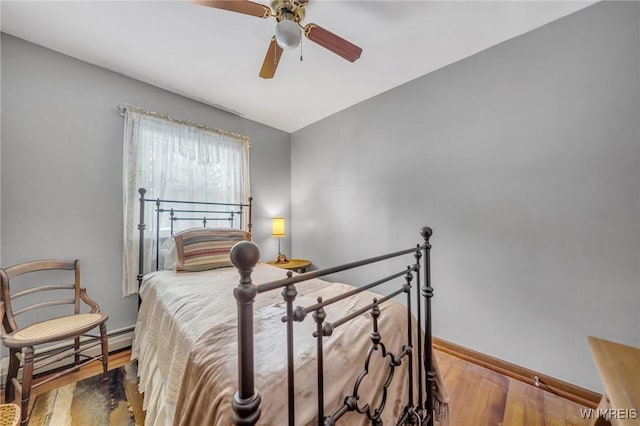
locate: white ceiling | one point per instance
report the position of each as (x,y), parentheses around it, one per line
(214,56)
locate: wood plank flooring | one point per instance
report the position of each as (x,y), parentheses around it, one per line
(482,397)
(116,360)
(478,396)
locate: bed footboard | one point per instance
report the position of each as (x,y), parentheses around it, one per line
(415,354)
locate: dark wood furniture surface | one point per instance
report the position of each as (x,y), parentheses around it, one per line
(22,341)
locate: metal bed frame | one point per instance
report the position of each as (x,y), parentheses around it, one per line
(419,409)
(232,213)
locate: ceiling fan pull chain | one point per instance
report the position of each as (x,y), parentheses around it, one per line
(275,54)
(300,50)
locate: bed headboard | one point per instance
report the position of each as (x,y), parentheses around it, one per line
(205,213)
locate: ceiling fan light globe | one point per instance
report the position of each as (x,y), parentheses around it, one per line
(288,34)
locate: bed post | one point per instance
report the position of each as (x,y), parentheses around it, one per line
(246,401)
(418,256)
(427,293)
(250,225)
(141,228)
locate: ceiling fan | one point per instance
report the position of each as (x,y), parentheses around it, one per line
(289,29)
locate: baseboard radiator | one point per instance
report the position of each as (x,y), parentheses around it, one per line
(118,339)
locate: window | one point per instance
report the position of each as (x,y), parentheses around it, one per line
(175,160)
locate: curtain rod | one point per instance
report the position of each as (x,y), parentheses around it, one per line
(125,107)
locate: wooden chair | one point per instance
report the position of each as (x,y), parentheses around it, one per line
(22,340)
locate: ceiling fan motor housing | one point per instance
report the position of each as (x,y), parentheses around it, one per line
(287,9)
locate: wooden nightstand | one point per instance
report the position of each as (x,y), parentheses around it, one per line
(298,265)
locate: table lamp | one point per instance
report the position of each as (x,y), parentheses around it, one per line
(277,231)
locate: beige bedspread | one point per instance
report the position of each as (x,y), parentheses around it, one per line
(211,374)
(185,342)
(176,309)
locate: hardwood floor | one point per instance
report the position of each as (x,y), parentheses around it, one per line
(482,397)
(478,396)
(116,360)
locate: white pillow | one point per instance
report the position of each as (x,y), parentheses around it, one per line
(168,253)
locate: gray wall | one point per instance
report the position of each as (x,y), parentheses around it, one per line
(525,160)
(61,169)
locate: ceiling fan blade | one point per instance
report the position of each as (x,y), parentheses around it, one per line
(271,59)
(240,6)
(334,43)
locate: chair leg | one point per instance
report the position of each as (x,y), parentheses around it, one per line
(12,373)
(76,347)
(27,378)
(105,349)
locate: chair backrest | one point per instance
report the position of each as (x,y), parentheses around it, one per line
(7,274)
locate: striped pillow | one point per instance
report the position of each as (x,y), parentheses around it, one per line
(200,249)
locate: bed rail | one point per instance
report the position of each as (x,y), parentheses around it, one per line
(419,409)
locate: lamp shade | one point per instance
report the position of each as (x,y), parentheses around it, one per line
(277,227)
(288,34)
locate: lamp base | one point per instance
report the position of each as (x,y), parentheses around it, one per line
(282,258)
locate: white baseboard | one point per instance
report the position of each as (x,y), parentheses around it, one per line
(118,339)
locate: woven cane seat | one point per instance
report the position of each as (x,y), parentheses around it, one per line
(44,331)
(9,414)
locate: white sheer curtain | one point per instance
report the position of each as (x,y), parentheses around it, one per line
(175,160)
